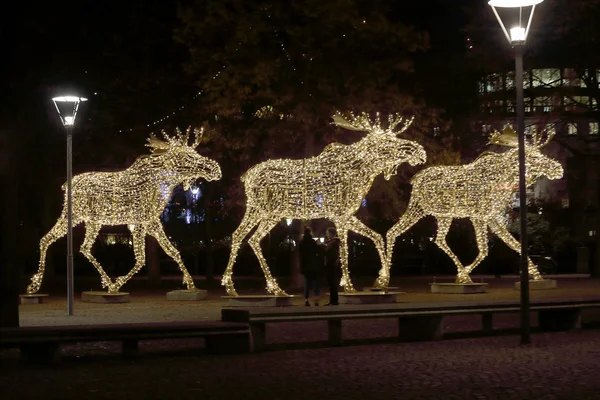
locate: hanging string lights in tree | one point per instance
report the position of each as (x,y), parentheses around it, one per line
(135,197)
(331,185)
(479,191)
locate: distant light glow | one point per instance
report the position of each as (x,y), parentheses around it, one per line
(514,3)
(288,221)
(517,34)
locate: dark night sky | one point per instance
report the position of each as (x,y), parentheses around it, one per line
(51,46)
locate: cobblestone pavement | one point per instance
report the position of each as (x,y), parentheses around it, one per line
(557,366)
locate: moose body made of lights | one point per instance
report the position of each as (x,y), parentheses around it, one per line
(135,197)
(479,191)
(331,185)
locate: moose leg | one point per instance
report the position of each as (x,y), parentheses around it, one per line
(156,230)
(412,215)
(357,226)
(482,244)
(440,241)
(138,233)
(249,221)
(342,228)
(254,242)
(91,233)
(58,230)
(498,227)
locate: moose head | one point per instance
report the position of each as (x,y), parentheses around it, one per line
(537,163)
(381,147)
(181,159)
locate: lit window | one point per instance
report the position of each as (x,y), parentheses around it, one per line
(510,80)
(565,203)
(576,103)
(530,130)
(436,131)
(592,233)
(546,77)
(572,129)
(543,104)
(570,77)
(486,128)
(494,83)
(527,102)
(593,128)
(510,106)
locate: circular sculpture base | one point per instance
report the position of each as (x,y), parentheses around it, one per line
(187,295)
(35,298)
(105,297)
(259,301)
(544,284)
(459,288)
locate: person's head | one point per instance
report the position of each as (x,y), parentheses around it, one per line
(307,230)
(331,233)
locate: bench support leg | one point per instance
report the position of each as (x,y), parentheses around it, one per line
(487,322)
(130,348)
(335,332)
(420,328)
(40,353)
(258,331)
(230,343)
(559,320)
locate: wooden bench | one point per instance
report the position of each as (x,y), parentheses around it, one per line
(42,343)
(417,321)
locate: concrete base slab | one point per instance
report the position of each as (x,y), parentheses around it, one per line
(544,284)
(35,298)
(368,297)
(259,301)
(458,288)
(187,295)
(386,290)
(105,297)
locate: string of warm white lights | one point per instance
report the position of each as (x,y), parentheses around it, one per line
(181,108)
(135,197)
(331,185)
(479,191)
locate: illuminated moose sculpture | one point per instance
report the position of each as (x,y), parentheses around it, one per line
(331,185)
(135,197)
(479,191)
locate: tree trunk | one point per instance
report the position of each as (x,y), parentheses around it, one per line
(9,237)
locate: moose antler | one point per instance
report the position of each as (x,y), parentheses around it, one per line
(157,145)
(363,122)
(508,137)
(198,136)
(537,140)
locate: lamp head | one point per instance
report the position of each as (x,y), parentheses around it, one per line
(520,30)
(67,107)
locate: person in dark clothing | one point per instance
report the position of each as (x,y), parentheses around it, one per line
(332,264)
(311,262)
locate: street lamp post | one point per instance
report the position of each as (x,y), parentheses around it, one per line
(517,37)
(67,107)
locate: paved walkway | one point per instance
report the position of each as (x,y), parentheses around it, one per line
(555,367)
(149,306)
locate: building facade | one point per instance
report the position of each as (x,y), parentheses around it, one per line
(560,101)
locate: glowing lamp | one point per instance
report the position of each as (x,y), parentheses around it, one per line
(519,32)
(67,107)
